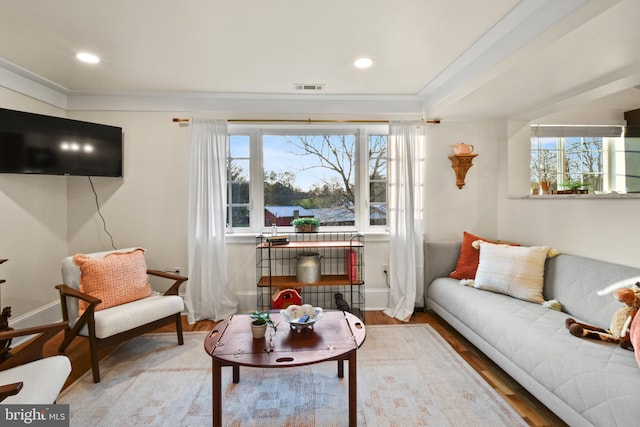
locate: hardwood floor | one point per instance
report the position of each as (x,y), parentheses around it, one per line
(532,411)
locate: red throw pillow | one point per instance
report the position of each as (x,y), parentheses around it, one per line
(470,257)
(116,278)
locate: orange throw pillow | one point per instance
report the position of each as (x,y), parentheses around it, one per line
(469,257)
(116,278)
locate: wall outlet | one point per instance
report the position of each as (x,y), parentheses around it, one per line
(385,268)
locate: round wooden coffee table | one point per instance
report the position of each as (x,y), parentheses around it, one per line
(336,337)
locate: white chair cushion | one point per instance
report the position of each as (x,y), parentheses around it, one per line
(124,317)
(42,380)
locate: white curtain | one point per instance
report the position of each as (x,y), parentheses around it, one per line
(208,295)
(406,147)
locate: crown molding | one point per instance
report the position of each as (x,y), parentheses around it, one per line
(245,103)
(22,81)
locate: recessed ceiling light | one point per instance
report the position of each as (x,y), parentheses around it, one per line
(87,57)
(363,62)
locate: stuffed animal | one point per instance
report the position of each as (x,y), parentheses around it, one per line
(618,331)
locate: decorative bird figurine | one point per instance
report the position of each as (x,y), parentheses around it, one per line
(341,304)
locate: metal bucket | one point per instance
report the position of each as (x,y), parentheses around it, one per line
(308,267)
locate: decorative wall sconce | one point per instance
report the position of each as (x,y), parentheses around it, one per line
(461,161)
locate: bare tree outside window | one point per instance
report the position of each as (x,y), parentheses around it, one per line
(567,163)
(313,172)
(377,156)
(583,166)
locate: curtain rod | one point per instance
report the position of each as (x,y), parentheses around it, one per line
(183,120)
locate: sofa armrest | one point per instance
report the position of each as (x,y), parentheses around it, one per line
(440,259)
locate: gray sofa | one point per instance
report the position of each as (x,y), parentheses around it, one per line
(584,382)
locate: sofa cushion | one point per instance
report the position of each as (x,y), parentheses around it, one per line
(116,278)
(469,257)
(517,271)
(127,316)
(600,381)
(574,281)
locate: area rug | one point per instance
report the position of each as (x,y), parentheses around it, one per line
(408,375)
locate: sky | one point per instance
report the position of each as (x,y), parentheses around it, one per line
(278,157)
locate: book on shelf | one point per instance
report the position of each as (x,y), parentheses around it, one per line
(278,240)
(353,265)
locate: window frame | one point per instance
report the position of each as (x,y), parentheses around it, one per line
(256,156)
(608,135)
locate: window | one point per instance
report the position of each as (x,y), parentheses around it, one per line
(579,159)
(238,181)
(377,156)
(335,174)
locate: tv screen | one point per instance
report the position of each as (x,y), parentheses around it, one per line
(37,144)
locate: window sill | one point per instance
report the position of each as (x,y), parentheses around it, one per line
(612,196)
(245,237)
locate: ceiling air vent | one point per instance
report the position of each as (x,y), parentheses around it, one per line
(306,87)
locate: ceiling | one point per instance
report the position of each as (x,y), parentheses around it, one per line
(453,58)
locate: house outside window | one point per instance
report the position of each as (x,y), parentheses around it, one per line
(579,159)
(336,174)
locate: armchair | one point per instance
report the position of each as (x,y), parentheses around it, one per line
(122,321)
(26,377)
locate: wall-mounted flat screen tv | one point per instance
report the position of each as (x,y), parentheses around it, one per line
(37,144)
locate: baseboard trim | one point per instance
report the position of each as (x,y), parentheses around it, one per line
(46,314)
(49,313)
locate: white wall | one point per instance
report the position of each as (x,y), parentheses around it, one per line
(33,231)
(449,210)
(148,207)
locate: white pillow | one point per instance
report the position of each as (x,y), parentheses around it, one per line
(517,271)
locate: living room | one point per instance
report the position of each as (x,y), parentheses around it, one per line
(552,77)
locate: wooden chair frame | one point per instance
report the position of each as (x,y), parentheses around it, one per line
(88,318)
(30,351)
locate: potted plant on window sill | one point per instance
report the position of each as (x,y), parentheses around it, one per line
(306,225)
(574,187)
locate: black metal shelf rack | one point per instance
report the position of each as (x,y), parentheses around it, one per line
(341,266)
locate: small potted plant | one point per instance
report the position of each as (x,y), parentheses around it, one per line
(306,225)
(574,187)
(259,322)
